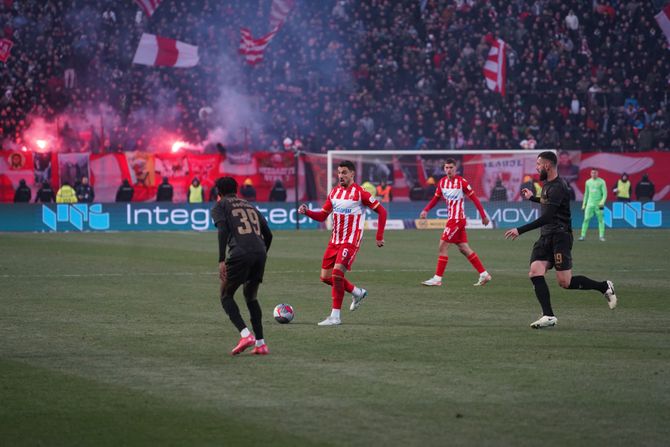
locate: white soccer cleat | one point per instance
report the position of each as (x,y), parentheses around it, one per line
(432,282)
(483,279)
(358,299)
(581,238)
(330,321)
(602,239)
(610,295)
(543,322)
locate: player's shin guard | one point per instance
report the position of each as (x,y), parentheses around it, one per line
(348,287)
(233,312)
(476,263)
(542,294)
(338,288)
(584,283)
(441,265)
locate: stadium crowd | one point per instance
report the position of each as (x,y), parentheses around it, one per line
(380,74)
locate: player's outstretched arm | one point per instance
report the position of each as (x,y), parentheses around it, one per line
(480,208)
(429,207)
(319,216)
(381,224)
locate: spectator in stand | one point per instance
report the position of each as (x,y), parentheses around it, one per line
(196,193)
(213,193)
(622,189)
(165,191)
(384,192)
(22,193)
(247,191)
(644,190)
(66,194)
(85,192)
(125,192)
(45,194)
(499,192)
(278,192)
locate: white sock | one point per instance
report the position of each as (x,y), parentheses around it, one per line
(245,333)
(356,291)
(260,342)
(439,278)
(335,313)
(484,273)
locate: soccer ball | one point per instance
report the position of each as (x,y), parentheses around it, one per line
(283,313)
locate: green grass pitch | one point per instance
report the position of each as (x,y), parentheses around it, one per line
(119,339)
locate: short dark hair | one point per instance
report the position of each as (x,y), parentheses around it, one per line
(226,185)
(449,161)
(347,164)
(549,156)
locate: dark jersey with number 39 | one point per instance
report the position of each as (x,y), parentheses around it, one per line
(242,228)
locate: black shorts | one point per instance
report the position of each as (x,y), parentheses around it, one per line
(554,248)
(243,268)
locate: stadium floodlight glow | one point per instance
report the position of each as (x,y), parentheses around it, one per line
(372,155)
(42,144)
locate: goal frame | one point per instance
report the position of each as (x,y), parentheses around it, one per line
(343,153)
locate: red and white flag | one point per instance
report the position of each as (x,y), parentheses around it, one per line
(279,11)
(5,47)
(495,68)
(148,6)
(253,49)
(161,51)
(663,19)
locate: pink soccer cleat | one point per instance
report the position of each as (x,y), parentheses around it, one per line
(243,344)
(260,350)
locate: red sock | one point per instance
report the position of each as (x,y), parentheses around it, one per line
(338,288)
(348,287)
(441,265)
(476,263)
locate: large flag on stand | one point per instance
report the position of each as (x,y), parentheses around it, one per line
(495,68)
(279,11)
(253,49)
(663,19)
(161,51)
(5,47)
(148,6)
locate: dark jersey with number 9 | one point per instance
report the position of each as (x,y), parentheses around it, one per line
(242,228)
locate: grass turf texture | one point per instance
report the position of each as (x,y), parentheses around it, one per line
(120,339)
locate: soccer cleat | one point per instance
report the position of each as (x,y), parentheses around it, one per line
(243,344)
(330,321)
(357,299)
(610,295)
(581,238)
(483,279)
(432,282)
(543,322)
(260,350)
(602,239)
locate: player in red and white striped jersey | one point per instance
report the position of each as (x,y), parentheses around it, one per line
(453,189)
(347,203)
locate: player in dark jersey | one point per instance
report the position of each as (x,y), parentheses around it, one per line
(554,248)
(245,232)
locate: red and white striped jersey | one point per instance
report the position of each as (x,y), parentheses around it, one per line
(454,191)
(346,204)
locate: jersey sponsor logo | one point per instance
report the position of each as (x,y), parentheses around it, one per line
(341,210)
(78,215)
